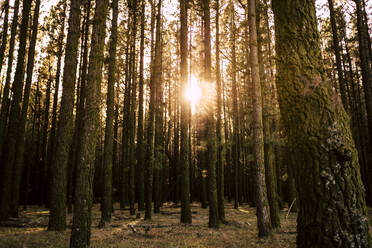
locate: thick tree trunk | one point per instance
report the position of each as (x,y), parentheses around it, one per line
(331,198)
(57,217)
(80,234)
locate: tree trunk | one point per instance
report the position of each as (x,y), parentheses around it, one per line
(184,162)
(210,125)
(57,217)
(20,143)
(336,48)
(5,100)
(4,38)
(9,153)
(80,234)
(331,198)
(220,150)
(108,149)
(140,138)
(263,219)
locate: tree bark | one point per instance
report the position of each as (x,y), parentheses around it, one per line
(9,153)
(80,234)
(108,149)
(263,219)
(210,124)
(184,162)
(57,217)
(332,210)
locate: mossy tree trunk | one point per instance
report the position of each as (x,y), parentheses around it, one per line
(332,210)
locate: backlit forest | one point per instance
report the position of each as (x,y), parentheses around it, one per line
(185,123)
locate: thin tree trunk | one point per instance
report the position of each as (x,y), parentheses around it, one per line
(108,149)
(263,219)
(210,125)
(140,138)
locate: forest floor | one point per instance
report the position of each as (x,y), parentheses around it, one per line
(165,230)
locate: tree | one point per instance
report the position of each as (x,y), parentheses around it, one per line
(9,152)
(336,48)
(220,160)
(326,170)
(4,37)
(80,234)
(263,220)
(5,100)
(20,140)
(140,138)
(210,124)
(108,152)
(184,163)
(57,217)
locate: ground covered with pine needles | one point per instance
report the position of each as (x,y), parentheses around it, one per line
(165,230)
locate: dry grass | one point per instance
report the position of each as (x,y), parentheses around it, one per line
(166,231)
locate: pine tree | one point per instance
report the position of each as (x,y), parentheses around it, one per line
(210,124)
(80,234)
(57,217)
(184,163)
(326,165)
(108,152)
(263,219)
(9,152)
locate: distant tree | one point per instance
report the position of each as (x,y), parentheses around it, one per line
(108,152)
(210,128)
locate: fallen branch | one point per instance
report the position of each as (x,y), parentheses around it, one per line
(289,210)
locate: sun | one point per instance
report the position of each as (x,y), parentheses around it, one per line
(193,92)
